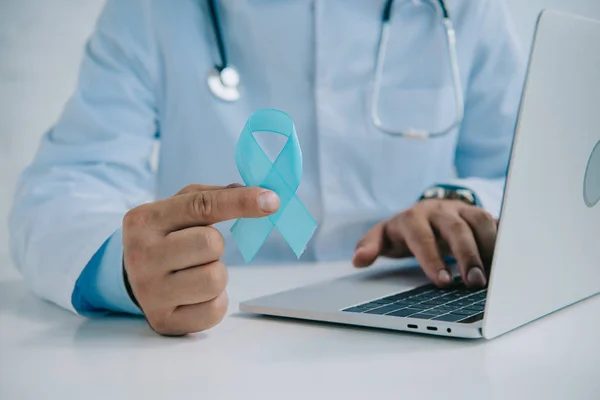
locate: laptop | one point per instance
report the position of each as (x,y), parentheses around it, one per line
(547,254)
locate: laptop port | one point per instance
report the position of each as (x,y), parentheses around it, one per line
(431,328)
(411,326)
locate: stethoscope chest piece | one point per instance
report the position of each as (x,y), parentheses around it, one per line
(224,84)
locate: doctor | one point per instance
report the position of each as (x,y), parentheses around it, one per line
(405,136)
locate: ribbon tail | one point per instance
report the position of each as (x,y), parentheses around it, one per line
(296,225)
(250,235)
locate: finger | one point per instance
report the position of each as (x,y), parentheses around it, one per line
(201,188)
(369,247)
(195,285)
(420,239)
(459,236)
(186,248)
(213,206)
(193,318)
(485,230)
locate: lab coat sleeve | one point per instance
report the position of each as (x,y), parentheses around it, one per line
(91,167)
(100,286)
(492,99)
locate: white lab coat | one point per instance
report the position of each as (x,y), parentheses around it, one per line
(143,79)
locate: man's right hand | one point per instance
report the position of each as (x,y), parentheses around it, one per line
(171,254)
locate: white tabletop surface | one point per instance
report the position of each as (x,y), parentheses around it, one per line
(47,353)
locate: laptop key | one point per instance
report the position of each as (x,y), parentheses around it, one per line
(474,308)
(444,309)
(450,318)
(473,318)
(463,311)
(410,301)
(434,312)
(423,289)
(419,306)
(419,299)
(461,303)
(404,312)
(449,297)
(384,309)
(451,307)
(433,303)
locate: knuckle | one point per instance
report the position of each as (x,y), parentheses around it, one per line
(139,251)
(410,215)
(483,218)
(215,278)
(441,207)
(135,218)
(215,311)
(425,238)
(201,205)
(394,229)
(190,188)
(213,241)
(457,227)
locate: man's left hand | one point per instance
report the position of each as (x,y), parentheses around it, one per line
(431,230)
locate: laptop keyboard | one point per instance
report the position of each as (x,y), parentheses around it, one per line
(455,303)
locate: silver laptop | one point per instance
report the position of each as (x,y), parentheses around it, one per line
(548,247)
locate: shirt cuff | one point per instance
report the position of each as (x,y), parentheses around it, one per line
(101,287)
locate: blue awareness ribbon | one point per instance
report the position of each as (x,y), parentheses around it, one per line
(293,220)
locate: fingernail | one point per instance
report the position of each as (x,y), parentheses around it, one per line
(476,277)
(268,201)
(444,277)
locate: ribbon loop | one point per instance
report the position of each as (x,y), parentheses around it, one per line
(293,220)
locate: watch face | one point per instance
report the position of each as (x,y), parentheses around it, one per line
(591,181)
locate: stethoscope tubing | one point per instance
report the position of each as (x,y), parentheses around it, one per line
(223,79)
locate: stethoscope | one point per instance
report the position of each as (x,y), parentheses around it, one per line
(224,80)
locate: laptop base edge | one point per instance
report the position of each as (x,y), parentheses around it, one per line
(400,324)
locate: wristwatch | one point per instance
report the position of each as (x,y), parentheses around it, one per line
(451,192)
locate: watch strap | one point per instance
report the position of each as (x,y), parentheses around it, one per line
(451,192)
(128,287)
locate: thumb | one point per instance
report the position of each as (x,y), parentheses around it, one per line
(369,247)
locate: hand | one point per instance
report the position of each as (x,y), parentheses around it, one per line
(431,230)
(171,254)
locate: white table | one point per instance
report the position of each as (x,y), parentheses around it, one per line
(47,353)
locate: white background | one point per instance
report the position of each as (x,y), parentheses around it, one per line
(41,43)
